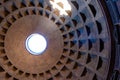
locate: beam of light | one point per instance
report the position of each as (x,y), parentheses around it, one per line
(65,6)
(36,44)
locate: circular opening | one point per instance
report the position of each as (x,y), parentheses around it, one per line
(36,44)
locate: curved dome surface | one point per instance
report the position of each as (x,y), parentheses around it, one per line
(78,36)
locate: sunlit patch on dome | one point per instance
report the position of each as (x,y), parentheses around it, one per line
(62,5)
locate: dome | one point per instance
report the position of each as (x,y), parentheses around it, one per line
(54,40)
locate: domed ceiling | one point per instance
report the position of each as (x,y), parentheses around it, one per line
(77,34)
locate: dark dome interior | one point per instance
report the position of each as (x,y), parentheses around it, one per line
(78,37)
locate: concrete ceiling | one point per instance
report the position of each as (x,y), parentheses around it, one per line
(79,42)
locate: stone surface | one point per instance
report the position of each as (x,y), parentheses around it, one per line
(79,43)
